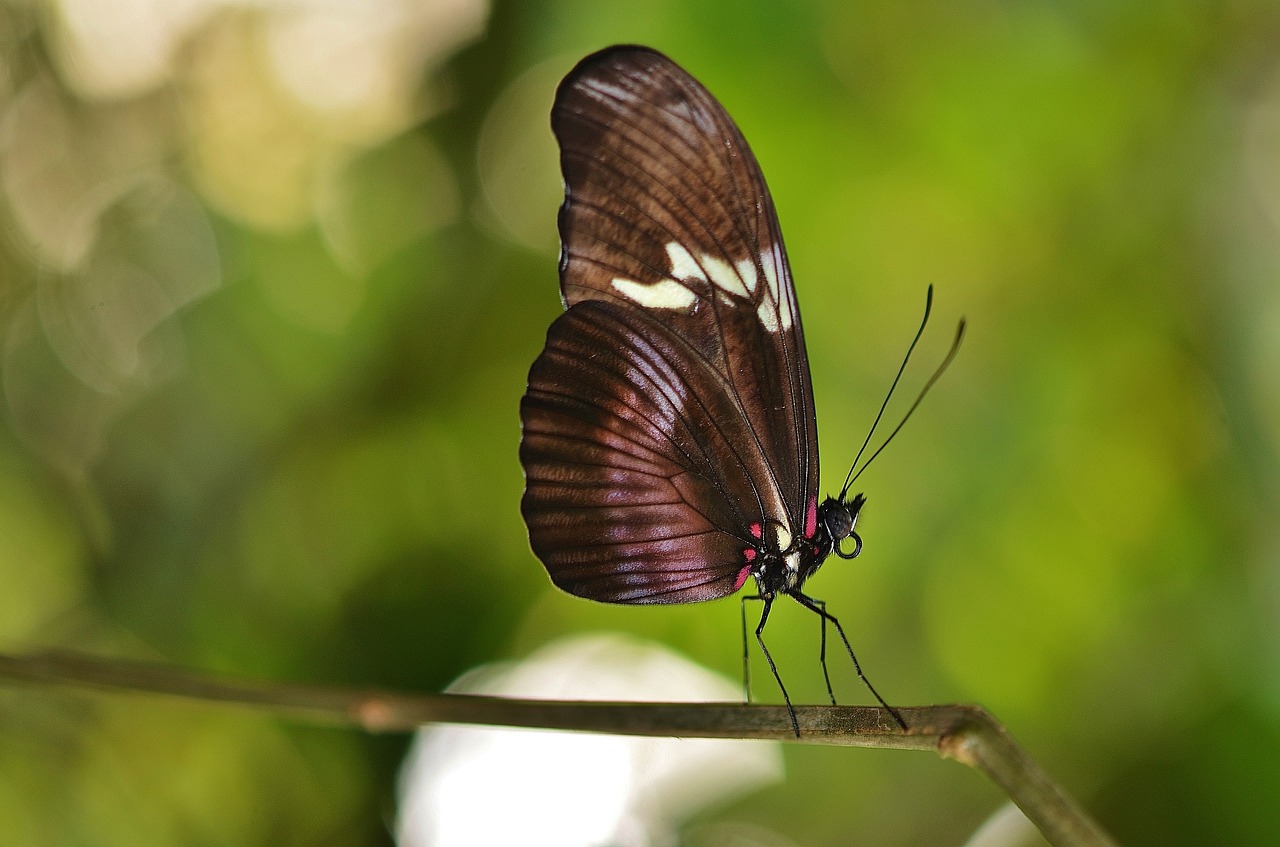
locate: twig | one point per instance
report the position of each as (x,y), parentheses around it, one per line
(967,734)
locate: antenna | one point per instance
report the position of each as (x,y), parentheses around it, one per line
(946,362)
(928,307)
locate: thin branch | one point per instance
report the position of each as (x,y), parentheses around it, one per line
(967,734)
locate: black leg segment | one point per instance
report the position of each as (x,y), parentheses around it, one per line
(819,608)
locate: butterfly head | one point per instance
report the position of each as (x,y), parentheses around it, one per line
(838,518)
(782,563)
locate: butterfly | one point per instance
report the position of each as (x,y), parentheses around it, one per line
(669,441)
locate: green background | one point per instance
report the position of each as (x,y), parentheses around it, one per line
(261,373)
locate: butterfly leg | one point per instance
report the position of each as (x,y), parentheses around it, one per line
(819,608)
(764,616)
(822,653)
(746,659)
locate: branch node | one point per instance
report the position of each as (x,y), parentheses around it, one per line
(959,745)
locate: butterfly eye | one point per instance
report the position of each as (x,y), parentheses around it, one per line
(838,519)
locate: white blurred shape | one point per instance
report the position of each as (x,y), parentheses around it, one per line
(330,55)
(464,776)
(123,48)
(273,95)
(329,58)
(464,786)
(339,57)
(1007,827)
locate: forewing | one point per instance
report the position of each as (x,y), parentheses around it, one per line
(637,489)
(666,210)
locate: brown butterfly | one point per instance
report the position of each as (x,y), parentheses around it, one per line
(669,442)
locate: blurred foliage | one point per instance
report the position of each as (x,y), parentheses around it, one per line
(272,275)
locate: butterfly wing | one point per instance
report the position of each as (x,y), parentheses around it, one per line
(630,442)
(682,341)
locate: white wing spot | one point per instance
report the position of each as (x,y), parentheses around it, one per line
(664,294)
(773,303)
(747,272)
(725,276)
(767,315)
(683,265)
(739,279)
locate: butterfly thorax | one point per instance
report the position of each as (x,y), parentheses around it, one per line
(775,575)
